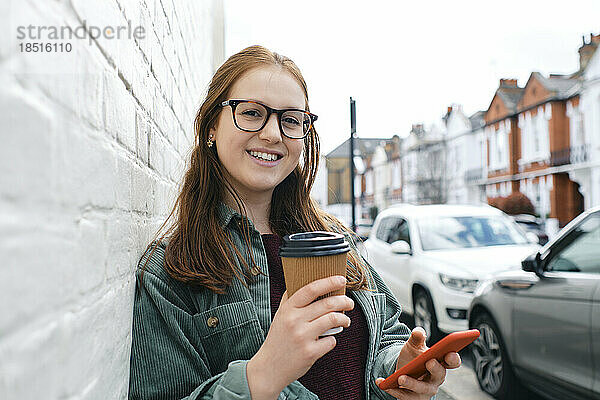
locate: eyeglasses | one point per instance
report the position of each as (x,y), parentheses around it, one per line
(252,116)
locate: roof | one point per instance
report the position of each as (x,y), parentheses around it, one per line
(560,86)
(366,147)
(440,210)
(510,96)
(477,120)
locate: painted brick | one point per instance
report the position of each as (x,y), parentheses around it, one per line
(119,110)
(28,172)
(88,173)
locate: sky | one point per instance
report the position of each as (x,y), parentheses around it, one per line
(406,62)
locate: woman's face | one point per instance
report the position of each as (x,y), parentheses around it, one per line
(278,89)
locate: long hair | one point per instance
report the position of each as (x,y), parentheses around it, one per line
(199,252)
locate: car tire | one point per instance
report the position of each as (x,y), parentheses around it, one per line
(424,315)
(491,364)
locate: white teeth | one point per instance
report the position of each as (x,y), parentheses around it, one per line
(264,156)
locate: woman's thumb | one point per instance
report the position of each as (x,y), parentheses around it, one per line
(417,337)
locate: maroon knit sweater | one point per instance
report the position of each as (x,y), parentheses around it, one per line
(339,374)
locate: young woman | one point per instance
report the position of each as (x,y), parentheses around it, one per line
(211,318)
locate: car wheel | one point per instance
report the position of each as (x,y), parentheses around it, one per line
(490,361)
(424,315)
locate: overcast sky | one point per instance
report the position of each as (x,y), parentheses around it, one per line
(406,62)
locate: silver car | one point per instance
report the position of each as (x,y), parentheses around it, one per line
(540,327)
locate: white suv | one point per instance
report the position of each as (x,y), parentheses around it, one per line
(433,257)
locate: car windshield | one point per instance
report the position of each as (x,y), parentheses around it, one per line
(441,233)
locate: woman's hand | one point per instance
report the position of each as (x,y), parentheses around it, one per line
(427,385)
(293,345)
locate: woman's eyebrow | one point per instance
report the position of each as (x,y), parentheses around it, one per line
(265,103)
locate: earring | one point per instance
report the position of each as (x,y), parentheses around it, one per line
(210,141)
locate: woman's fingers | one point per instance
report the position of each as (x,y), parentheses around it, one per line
(323,346)
(329,321)
(327,305)
(417,338)
(409,387)
(399,393)
(429,385)
(452,360)
(308,293)
(437,372)
(412,348)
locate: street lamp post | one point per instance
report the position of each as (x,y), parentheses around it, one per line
(351,158)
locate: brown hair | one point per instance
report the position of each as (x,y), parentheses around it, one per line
(199,250)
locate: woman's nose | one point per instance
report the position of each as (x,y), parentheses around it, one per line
(271,131)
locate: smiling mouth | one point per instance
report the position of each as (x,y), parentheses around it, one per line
(264,156)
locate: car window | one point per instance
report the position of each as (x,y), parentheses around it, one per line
(382,230)
(580,249)
(399,231)
(442,233)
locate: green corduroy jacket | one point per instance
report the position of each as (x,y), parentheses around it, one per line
(194,344)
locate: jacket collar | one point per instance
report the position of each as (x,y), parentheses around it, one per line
(228,215)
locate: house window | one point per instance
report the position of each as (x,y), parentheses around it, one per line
(369,182)
(535,134)
(577,136)
(500,148)
(396,181)
(483,153)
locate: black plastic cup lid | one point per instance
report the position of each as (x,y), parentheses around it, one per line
(313,244)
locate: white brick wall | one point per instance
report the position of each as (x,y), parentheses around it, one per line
(93,145)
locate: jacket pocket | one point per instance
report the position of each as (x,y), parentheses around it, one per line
(229,332)
(379,303)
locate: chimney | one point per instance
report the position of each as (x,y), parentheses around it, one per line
(508,83)
(417,129)
(586,51)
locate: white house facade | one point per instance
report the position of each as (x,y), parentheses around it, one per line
(585,124)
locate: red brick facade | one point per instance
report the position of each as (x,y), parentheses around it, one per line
(565,200)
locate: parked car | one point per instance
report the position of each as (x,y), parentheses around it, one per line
(532,224)
(433,257)
(540,327)
(363,228)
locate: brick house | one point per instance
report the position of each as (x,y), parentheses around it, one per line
(338,177)
(536,141)
(546,155)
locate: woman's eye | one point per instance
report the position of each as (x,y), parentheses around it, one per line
(251,113)
(290,120)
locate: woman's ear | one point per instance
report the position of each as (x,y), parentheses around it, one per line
(212,133)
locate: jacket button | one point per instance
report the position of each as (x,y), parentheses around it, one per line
(212,322)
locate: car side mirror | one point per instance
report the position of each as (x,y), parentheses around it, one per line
(532,237)
(401,247)
(533,263)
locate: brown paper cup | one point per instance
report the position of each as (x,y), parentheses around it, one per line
(300,271)
(300,267)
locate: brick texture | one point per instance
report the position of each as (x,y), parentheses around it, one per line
(93,147)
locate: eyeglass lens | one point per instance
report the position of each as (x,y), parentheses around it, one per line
(251,116)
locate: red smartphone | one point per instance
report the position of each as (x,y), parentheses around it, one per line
(454,342)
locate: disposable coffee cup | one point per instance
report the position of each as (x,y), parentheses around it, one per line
(309,256)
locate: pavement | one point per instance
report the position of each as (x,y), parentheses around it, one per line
(461,384)
(442,395)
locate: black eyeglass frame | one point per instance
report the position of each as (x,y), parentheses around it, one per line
(233,103)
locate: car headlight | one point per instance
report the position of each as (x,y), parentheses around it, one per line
(460,284)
